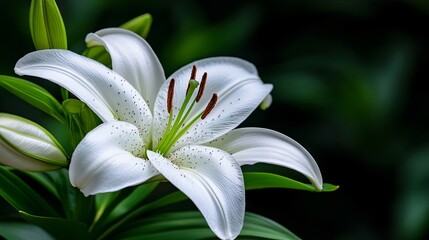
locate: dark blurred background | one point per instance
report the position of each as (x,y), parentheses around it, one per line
(349,84)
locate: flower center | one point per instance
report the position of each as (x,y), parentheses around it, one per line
(181,124)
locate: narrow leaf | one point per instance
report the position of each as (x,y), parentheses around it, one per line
(112,206)
(133,200)
(260,180)
(169,199)
(33,94)
(191,225)
(43,179)
(21,196)
(59,228)
(22,231)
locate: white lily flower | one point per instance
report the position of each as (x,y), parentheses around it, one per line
(180,128)
(26,145)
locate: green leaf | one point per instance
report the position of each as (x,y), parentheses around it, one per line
(21,196)
(44,179)
(260,180)
(59,228)
(258,226)
(22,231)
(169,199)
(76,206)
(33,94)
(327,187)
(112,206)
(46,25)
(134,199)
(192,225)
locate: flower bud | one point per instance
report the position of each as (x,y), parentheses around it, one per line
(25,145)
(46,25)
(140,25)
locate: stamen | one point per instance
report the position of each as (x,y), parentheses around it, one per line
(193,76)
(194,72)
(170,95)
(202,86)
(210,106)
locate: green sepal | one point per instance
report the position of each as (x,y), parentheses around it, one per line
(80,119)
(59,228)
(21,196)
(33,94)
(47,26)
(191,225)
(261,180)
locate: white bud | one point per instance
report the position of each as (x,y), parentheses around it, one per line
(26,145)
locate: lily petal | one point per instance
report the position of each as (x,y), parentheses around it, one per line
(239,90)
(133,59)
(259,145)
(25,145)
(213,180)
(104,161)
(103,90)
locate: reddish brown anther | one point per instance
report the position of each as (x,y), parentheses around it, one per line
(202,86)
(193,72)
(210,106)
(170,95)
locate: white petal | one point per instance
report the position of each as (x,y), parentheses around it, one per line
(212,179)
(104,91)
(259,145)
(239,89)
(106,159)
(27,146)
(133,59)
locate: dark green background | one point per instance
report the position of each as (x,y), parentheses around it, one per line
(349,84)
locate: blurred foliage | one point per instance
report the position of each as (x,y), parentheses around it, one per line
(349,85)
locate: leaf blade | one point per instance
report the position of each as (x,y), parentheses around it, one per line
(33,94)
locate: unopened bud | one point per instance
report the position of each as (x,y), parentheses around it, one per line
(25,145)
(46,25)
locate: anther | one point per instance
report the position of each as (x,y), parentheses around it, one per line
(193,72)
(202,86)
(170,95)
(210,106)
